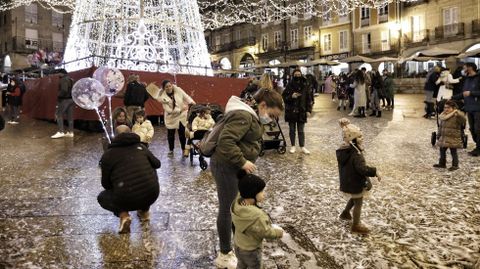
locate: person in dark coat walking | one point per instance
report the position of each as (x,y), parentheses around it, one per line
(431,91)
(354,173)
(65,105)
(458,87)
(377,93)
(298,107)
(471,97)
(135,96)
(14,95)
(129,177)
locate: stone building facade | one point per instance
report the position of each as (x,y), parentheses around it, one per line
(32,35)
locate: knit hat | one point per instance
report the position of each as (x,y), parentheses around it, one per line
(349,131)
(249,185)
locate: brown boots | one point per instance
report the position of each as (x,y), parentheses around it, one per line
(356,204)
(360,229)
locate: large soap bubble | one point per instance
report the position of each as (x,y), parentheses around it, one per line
(88,93)
(111,78)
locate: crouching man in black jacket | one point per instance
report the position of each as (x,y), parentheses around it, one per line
(129,177)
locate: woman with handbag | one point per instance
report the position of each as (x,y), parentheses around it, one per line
(175,104)
(445,81)
(354,173)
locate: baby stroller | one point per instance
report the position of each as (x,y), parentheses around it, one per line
(273,138)
(438,111)
(216,113)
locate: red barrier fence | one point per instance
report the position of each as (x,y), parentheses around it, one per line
(41,97)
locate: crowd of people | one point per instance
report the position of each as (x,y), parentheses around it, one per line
(131,184)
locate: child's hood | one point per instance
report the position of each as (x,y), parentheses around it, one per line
(245,216)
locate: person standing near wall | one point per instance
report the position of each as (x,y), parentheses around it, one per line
(65,105)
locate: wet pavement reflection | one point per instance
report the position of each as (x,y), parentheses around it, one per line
(420,217)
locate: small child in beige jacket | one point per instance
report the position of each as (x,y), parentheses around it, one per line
(142,127)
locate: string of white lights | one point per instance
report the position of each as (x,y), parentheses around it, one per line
(220,13)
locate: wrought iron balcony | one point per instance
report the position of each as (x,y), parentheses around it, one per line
(450,30)
(417,37)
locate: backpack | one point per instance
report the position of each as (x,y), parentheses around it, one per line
(208,143)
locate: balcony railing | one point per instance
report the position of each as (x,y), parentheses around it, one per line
(417,37)
(382,18)
(365,21)
(476,27)
(250,41)
(26,44)
(450,30)
(377,47)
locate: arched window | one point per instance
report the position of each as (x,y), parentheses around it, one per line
(247,61)
(225,64)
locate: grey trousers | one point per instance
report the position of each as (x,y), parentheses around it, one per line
(249,259)
(227,189)
(375,101)
(65,106)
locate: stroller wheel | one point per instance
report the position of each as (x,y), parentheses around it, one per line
(282,150)
(203,164)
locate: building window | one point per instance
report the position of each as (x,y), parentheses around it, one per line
(226,39)
(343,38)
(57,19)
(450,21)
(294,38)
(57,39)
(308,10)
(238,35)
(31,38)
(365,13)
(385,40)
(294,18)
(277,39)
(366,43)
(365,16)
(383,14)
(31,14)
(418,34)
(307,33)
(277,16)
(265,42)
(327,43)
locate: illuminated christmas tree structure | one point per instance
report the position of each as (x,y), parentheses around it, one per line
(142,35)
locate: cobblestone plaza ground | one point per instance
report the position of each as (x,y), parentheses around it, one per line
(420,217)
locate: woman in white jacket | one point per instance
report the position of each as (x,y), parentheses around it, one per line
(175,104)
(445,80)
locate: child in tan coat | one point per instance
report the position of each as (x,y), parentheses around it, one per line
(142,127)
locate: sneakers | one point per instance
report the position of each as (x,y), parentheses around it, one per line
(293,149)
(170,153)
(58,135)
(124,225)
(439,166)
(228,261)
(13,122)
(345,216)
(69,134)
(305,151)
(360,229)
(453,168)
(143,215)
